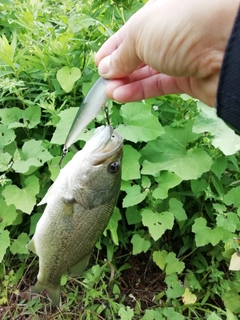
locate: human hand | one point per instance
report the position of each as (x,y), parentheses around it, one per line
(168,47)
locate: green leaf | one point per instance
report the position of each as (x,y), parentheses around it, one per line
(174,290)
(33,155)
(134,196)
(157,223)
(125,313)
(224,137)
(113,225)
(67,77)
(173,265)
(8,214)
(133,215)
(5,243)
(206,235)
(17,118)
(140,244)
(189,166)
(171,314)
(166,181)
(23,199)
(130,164)
(4,161)
(6,136)
(176,207)
(169,152)
(232,197)
(159,257)
(231,300)
(19,245)
(152,315)
(139,123)
(198,186)
(213,316)
(229,221)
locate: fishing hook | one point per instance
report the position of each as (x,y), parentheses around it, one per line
(59,164)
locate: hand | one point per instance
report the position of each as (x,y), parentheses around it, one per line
(168,47)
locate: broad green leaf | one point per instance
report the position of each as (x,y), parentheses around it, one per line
(23,199)
(130,164)
(206,235)
(125,313)
(17,118)
(33,155)
(78,21)
(8,214)
(231,301)
(133,215)
(189,166)
(219,166)
(134,196)
(139,123)
(176,207)
(224,137)
(140,244)
(156,222)
(159,257)
(67,77)
(152,315)
(113,225)
(19,245)
(174,290)
(198,186)
(166,180)
(5,159)
(233,197)
(9,116)
(229,221)
(5,243)
(169,152)
(6,136)
(171,314)
(213,316)
(173,265)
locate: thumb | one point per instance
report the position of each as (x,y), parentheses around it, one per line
(122,62)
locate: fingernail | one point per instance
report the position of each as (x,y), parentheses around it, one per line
(104,66)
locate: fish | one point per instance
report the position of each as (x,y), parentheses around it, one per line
(88,110)
(79,205)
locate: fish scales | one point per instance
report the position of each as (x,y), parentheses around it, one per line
(79,206)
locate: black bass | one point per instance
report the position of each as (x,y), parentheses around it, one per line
(87,111)
(79,205)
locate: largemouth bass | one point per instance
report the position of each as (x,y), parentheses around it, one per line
(79,206)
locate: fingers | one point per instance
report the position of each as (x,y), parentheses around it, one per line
(153,86)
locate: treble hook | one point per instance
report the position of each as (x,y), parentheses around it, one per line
(106,110)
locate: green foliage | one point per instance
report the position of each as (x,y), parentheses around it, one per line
(170,240)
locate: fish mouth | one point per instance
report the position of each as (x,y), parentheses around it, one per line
(103,145)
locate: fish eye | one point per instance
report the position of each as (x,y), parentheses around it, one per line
(113,167)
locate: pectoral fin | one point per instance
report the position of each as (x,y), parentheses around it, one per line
(80,267)
(31,246)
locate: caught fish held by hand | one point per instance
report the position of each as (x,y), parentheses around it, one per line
(79,206)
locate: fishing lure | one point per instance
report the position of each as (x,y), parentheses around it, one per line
(88,110)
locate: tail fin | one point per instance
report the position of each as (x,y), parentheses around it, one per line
(53,292)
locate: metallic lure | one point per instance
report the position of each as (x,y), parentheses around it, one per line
(87,111)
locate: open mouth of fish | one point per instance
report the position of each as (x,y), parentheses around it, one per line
(103,145)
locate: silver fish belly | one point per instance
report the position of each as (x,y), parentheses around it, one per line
(79,206)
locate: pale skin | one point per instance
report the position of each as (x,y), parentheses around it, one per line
(168,46)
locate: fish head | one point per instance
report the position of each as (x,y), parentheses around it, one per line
(99,168)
